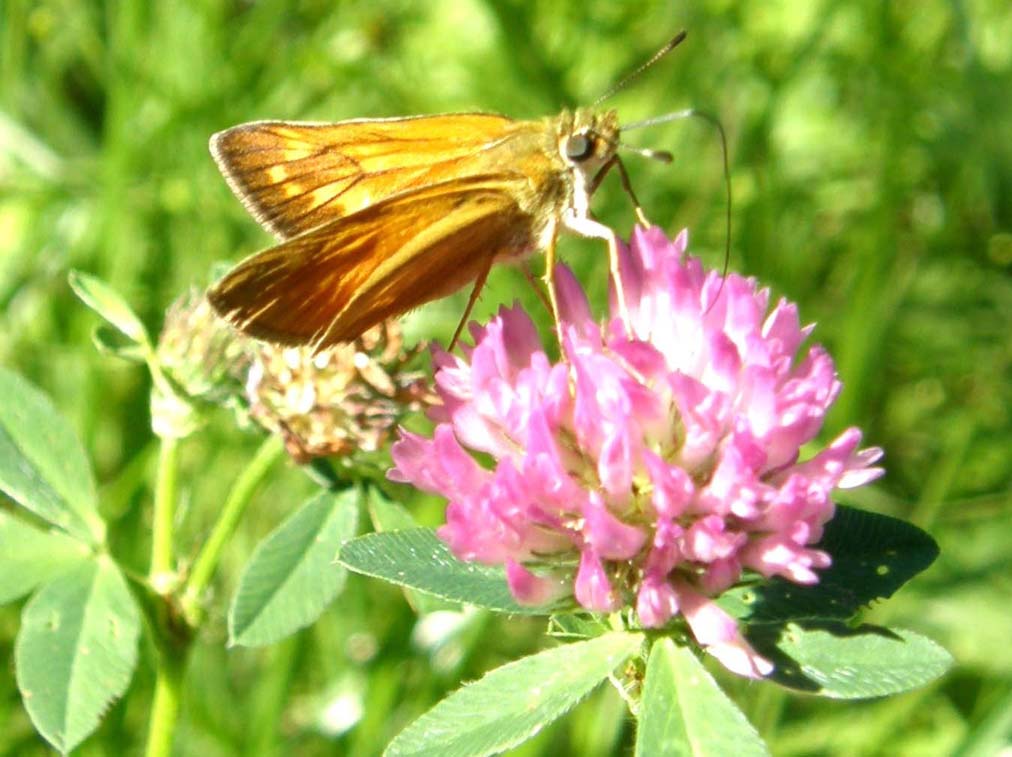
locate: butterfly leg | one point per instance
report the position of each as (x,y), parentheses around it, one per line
(538,289)
(479,284)
(588,227)
(553,299)
(623,175)
(641,217)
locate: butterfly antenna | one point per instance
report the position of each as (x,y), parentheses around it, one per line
(662,156)
(715,123)
(624,81)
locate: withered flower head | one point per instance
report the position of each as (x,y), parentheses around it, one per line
(200,351)
(343,399)
(199,358)
(348,397)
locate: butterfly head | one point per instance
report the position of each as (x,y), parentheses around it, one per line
(588,139)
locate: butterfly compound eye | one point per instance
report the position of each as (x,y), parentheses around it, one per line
(579,147)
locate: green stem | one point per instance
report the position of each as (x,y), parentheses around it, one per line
(166,489)
(165,707)
(242,492)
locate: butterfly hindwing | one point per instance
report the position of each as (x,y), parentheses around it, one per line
(331,283)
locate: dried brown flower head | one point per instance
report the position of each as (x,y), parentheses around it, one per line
(345,398)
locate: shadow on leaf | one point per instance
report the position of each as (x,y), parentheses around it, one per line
(809,655)
(873,556)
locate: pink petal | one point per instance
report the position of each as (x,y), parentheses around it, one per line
(592,589)
(656,602)
(783,327)
(574,308)
(531,590)
(718,633)
(720,575)
(615,465)
(776,555)
(673,489)
(708,540)
(609,537)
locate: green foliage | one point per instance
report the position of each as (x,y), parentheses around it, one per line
(388,515)
(76,648)
(108,303)
(59,488)
(684,713)
(29,556)
(76,651)
(416,559)
(683,709)
(77,645)
(291,577)
(835,660)
(870,166)
(514,701)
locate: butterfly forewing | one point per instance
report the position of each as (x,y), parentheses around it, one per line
(296,176)
(333,282)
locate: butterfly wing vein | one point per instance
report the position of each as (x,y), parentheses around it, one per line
(293,177)
(332,282)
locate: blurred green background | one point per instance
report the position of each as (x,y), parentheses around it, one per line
(871,155)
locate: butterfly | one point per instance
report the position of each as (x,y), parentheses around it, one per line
(378,216)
